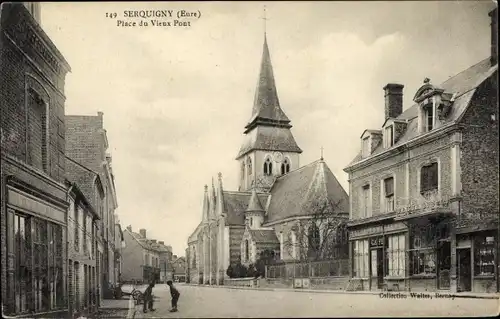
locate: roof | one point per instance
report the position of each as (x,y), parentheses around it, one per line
(84,177)
(264,236)
(269,127)
(462,84)
(147,243)
(235,205)
(295,193)
(269,138)
(254,204)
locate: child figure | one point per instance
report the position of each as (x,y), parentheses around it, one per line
(175,295)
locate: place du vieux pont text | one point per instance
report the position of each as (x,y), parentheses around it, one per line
(154,18)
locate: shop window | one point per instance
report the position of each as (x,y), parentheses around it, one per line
(484,256)
(396,256)
(361,269)
(423,251)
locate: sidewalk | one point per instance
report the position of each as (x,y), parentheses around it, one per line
(117,308)
(476,295)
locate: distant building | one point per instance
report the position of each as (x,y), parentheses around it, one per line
(33,191)
(119,246)
(140,257)
(179,269)
(165,253)
(424,188)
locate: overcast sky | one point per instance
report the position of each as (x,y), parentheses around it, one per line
(176,100)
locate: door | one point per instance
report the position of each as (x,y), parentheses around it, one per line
(464,269)
(444,264)
(378,266)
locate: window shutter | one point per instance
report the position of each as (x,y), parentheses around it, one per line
(434,176)
(423,179)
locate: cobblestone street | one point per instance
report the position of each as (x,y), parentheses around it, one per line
(223,302)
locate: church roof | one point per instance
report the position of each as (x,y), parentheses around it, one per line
(269,127)
(264,236)
(464,84)
(266,104)
(235,205)
(269,138)
(254,204)
(297,193)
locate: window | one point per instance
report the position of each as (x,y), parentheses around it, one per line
(361,259)
(285,166)
(313,240)
(396,256)
(268,167)
(484,256)
(37,131)
(246,250)
(366,146)
(429,117)
(77,227)
(249,166)
(389,194)
(423,251)
(365,201)
(429,178)
(389,136)
(22,249)
(84,239)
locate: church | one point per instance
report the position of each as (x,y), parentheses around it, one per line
(278,202)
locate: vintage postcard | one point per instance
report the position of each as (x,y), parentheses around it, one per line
(249,159)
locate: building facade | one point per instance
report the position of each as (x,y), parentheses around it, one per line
(141,257)
(83,274)
(165,255)
(34,200)
(179,269)
(87,144)
(279,206)
(424,188)
(119,246)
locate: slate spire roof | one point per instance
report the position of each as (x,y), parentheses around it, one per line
(254,204)
(269,127)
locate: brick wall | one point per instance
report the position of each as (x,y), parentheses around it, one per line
(479,153)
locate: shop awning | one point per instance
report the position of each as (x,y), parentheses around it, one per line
(424,213)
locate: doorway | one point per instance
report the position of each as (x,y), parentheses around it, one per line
(378,266)
(444,264)
(464,269)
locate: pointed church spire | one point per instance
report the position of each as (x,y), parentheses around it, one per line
(206,206)
(212,213)
(266,106)
(254,204)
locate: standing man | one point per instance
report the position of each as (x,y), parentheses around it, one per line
(175,295)
(148,298)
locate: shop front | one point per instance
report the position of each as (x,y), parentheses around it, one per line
(477,258)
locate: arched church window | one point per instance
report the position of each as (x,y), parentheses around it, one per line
(268,167)
(313,240)
(249,166)
(246,250)
(285,166)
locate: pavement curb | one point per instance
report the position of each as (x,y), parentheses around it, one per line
(493,296)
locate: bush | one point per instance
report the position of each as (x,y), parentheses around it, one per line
(230,271)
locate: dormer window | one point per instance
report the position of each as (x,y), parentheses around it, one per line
(366,145)
(268,167)
(429,117)
(389,136)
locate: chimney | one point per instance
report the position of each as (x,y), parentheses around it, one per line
(161,242)
(142,232)
(494,36)
(129,227)
(154,241)
(393,100)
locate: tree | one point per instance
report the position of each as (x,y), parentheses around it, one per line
(266,257)
(322,236)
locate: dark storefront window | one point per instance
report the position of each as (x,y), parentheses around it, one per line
(38,284)
(484,255)
(423,251)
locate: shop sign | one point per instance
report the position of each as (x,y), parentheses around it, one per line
(421,204)
(377,241)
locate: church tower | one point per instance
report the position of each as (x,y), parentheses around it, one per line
(269,148)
